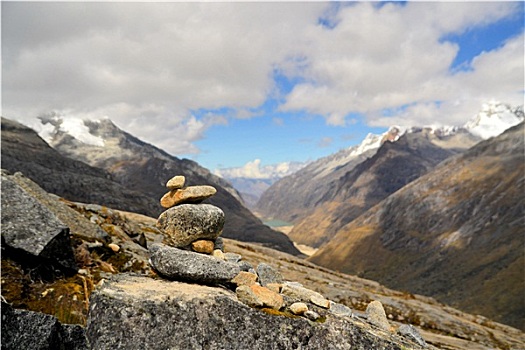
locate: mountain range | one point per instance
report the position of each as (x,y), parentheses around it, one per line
(104,165)
(393,166)
(455,233)
(345,205)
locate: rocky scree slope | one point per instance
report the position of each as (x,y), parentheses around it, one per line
(393,166)
(125,173)
(455,234)
(114,280)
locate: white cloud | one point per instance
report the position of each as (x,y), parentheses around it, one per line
(150,66)
(145,65)
(254,170)
(393,56)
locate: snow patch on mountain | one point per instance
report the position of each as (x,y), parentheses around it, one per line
(75,127)
(494,118)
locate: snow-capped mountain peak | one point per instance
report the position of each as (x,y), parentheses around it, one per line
(75,127)
(373,141)
(494,118)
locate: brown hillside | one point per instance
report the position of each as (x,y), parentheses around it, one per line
(455,234)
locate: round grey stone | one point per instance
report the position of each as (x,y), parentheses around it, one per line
(186,223)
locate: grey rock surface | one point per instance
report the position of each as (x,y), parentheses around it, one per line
(411,332)
(30,227)
(297,293)
(131,312)
(375,314)
(186,223)
(268,274)
(184,265)
(28,330)
(340,309)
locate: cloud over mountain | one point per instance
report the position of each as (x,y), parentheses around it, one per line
(254,170)
(189,66)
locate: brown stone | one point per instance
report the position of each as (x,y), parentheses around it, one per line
(218,254)
(267,297)
(274,287)
(246,295)
(320,301)
(298,308)
(191,194)
(245,279)
(114,247)
(203,246)
(176,182)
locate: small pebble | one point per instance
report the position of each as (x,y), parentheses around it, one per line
(232,257)
(176,182)
(319,301)
(312,315)
(298,308)
(202,246)
(218,254)
(114,247)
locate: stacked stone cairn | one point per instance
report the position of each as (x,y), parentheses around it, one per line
(194,252)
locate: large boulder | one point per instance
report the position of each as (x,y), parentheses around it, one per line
(133,312)
(32,231)
(186,223)
(28,330)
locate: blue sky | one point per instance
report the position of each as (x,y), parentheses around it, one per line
(226,84)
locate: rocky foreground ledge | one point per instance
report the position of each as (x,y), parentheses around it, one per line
(135,312)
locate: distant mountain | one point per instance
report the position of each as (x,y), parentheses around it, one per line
(455,233)
(494,118)
(291,197)
(250,189)
(333,186)
(138,170)
(23,150)
(252,179)
(393,166)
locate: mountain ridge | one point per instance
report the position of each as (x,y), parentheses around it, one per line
(135,167)
(459,227)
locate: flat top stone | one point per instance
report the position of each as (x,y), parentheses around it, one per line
(158,290)
(185,265)
(191,194)
(176,182)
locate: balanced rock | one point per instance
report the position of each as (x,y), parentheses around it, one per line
(375,314)
(203,246)
(176,182)
(191,194)
(187,223)
(178,264)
